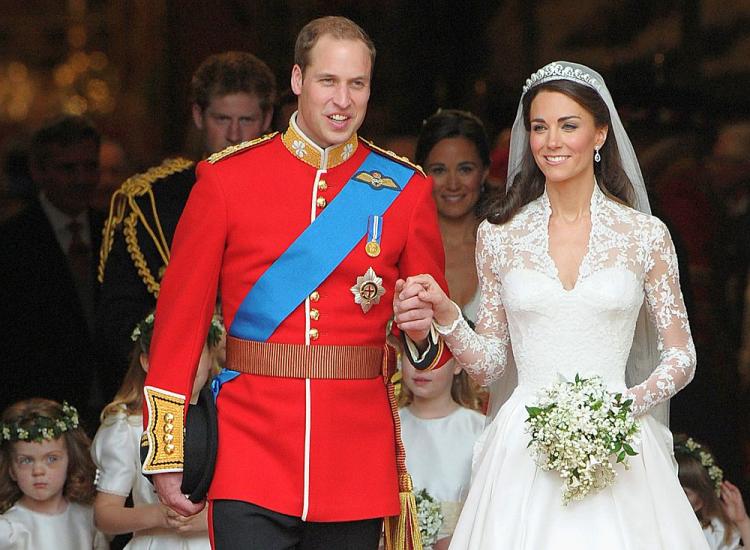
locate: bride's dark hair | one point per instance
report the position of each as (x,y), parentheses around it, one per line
(528,184)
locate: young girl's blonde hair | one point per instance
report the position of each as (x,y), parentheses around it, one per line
(129,398)
(79,481)
(694,462)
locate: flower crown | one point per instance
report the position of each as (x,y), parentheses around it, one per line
(38,428)
(556,71)
(691,448)
(143,331)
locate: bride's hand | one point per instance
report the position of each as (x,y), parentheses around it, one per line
(419,292)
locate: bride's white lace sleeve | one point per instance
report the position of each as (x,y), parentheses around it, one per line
(483,354)
(667,310)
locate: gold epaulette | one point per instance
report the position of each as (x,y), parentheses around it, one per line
(234,149)
(390,154)
(124,211)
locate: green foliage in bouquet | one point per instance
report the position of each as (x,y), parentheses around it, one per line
(579,429)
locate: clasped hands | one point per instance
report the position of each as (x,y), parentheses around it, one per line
(167,487)
(418,301)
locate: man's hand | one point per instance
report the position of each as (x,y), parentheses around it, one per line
(411,314)
(414,297)
(167,486)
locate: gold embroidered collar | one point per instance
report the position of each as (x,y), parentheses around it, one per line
(308,152)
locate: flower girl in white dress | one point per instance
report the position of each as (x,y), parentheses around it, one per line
(717,503)
(116,452)
(46,479)
(566,261)
(439,426)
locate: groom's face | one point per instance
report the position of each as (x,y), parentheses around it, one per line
(334,90)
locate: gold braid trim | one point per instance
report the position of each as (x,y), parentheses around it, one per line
(124,203)
(390,154)
(130,233)
(233,149)
(165,432)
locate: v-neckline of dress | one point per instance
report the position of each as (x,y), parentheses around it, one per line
(596,197)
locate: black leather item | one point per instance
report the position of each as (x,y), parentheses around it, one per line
(201,442)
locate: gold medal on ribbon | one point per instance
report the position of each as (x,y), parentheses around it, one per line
(372,248)
(368,290)
(374,232)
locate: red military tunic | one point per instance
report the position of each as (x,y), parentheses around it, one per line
(318,449)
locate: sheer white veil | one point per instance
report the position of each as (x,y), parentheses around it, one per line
(644,355)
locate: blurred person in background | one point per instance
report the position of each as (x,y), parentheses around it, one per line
(232,97)
(453,149)
(114,168)
(729,167)
(48,253)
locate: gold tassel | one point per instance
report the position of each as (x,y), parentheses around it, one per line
(402,531)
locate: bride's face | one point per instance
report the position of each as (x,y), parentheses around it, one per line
(563,137)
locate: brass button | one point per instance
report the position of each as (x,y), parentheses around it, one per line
(168,438)
(169,428)
(314,314)
(315,296)
(168,418)
(313,334)
(322,185)
(169,448)
(321,202)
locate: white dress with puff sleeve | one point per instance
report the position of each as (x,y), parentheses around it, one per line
(115,450)
(73,529)
(588,330)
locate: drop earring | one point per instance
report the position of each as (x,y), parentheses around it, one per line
(597,156)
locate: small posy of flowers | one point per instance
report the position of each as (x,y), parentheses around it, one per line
(146,325)
(580,430)
(39,428)
(693,448)
(430,517)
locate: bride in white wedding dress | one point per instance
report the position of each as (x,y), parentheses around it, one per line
(565,264)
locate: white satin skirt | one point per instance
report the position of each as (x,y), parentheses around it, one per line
(514,505)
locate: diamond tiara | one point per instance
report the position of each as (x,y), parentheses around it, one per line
(556,71)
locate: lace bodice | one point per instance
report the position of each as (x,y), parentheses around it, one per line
(587,330)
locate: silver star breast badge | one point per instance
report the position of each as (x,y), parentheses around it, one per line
(368,290)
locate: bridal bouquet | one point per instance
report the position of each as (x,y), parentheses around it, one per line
(430,517)
(577,429)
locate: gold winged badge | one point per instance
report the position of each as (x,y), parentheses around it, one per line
(376,180)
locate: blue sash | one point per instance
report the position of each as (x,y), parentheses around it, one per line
(324,244)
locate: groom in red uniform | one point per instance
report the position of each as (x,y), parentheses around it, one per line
(304,234)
